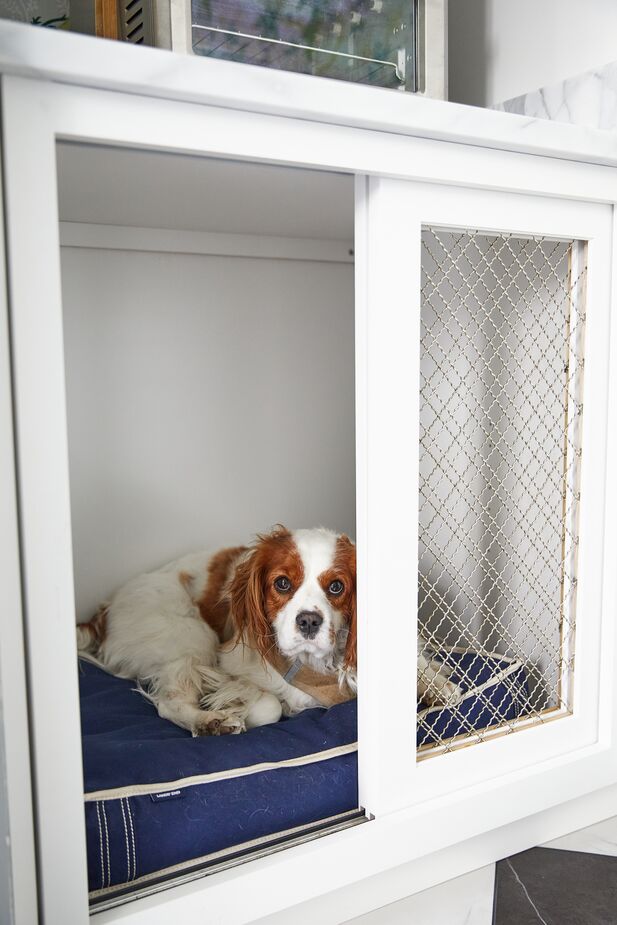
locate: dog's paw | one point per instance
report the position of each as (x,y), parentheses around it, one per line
(443,693)
(218,723)
(296,700)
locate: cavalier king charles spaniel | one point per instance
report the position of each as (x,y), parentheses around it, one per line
(225,642)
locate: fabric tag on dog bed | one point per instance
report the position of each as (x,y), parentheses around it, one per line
(166,795)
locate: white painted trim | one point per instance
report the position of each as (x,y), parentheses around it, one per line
(21,906)
(608,421)
(111,118)
(173,241)
(64,57)
(45,520)
(368,781)
(433,53)
(465,900)
(391,294)
(180,19)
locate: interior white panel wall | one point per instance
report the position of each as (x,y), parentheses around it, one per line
(152,189)
(498,50)
(208,398)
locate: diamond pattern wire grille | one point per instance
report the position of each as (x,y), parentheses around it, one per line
(502,321)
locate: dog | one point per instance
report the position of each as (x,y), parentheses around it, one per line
(212,638)
(225,642)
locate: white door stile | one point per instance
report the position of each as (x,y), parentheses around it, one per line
(386,450)
(608,654)
(595,633)
(368,779)
(38,358)
(21,906)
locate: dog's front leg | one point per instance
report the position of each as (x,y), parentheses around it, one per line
(291,698)
(241,662)
(294,700)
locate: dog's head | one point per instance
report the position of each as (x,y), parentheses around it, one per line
(296,591)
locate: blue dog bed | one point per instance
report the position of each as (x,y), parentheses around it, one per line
(160,803)
(494,689)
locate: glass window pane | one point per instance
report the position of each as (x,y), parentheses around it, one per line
(365,41)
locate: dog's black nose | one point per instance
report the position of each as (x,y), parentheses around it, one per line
(308,622)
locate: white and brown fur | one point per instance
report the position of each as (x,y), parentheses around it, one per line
(165,629)
(197,632)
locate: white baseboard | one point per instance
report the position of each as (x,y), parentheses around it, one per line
(600,838)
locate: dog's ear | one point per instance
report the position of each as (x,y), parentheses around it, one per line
(248,590)
(248,605)
(351,647)
(346,560)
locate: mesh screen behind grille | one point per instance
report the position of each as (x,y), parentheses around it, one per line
(502,322)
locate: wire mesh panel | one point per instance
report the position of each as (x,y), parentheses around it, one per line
(502,321)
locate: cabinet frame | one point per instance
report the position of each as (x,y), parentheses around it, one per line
(35,115)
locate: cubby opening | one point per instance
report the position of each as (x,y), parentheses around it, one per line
(209,352)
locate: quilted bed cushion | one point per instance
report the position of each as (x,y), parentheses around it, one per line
(159,802)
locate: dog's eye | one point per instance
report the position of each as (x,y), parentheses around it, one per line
(336,587)
(282,584)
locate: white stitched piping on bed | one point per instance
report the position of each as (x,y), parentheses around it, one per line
(98,818)
(126,841)
(107,851)
(130,813)
(136,790)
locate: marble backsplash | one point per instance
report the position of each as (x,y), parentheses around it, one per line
(590,99)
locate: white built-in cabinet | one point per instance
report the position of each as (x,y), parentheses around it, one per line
(132,179)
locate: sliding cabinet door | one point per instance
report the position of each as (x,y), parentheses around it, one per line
(487,679)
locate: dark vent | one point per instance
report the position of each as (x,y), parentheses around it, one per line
(135,20)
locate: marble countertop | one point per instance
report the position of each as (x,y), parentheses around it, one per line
(588,99)
(76,59)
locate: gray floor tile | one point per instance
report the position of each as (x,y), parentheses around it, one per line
(553,887)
